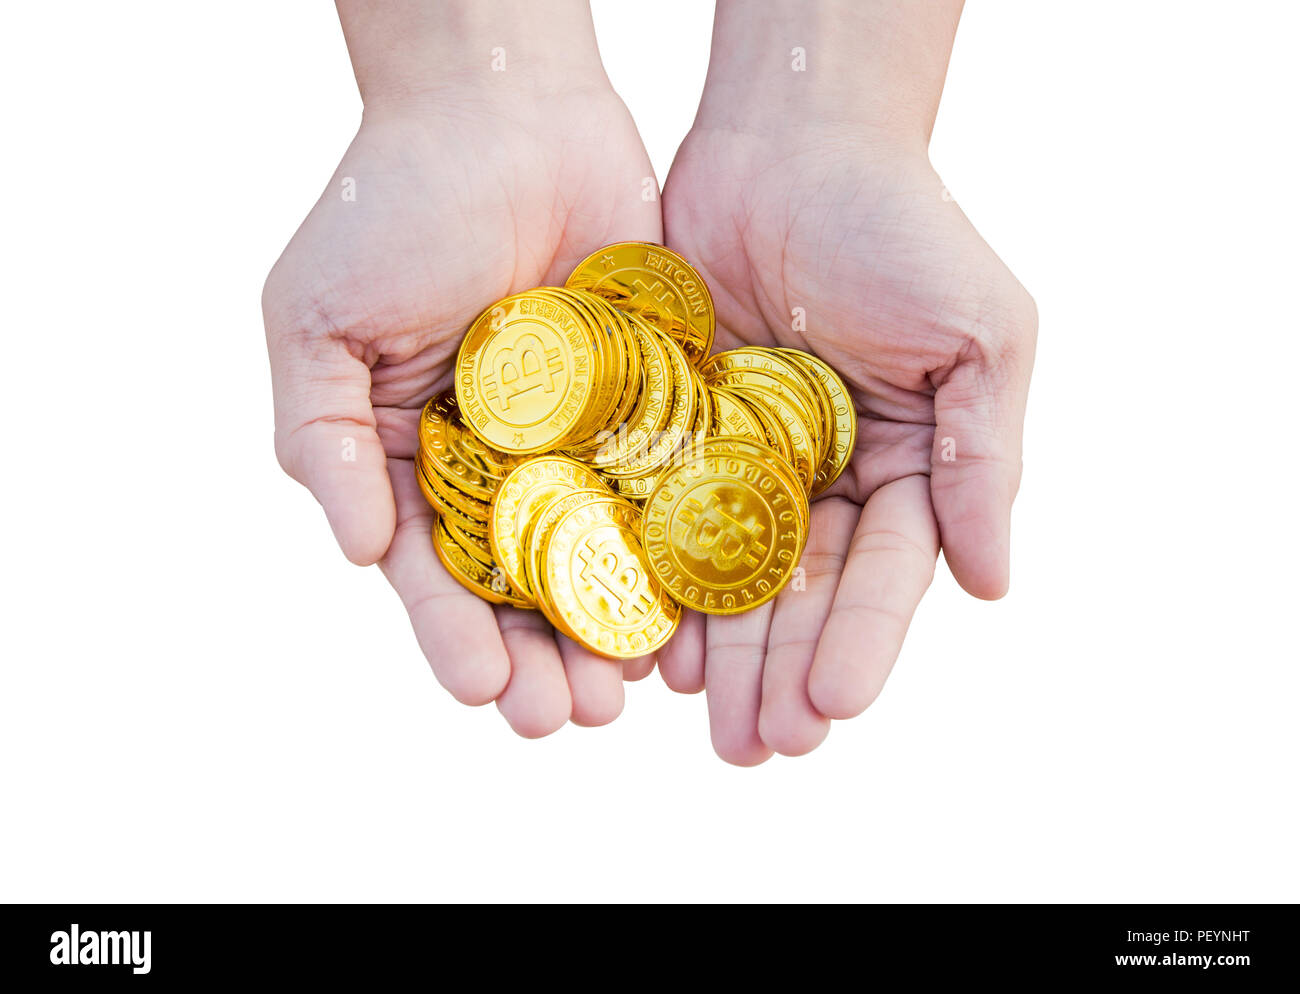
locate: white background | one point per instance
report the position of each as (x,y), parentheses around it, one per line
(201,700)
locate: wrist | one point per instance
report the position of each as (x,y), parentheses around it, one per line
(413,56)
(872,69)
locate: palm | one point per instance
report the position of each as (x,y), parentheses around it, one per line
(373,295)
(867,264)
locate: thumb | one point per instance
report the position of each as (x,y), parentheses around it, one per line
(975,462)
(326,438)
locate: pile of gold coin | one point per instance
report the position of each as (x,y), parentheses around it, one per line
(596,462)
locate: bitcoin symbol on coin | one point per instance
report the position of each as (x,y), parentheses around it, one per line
(656,283)
(714,535)
(656,292)
(517,369)
(602,567)
(724,525)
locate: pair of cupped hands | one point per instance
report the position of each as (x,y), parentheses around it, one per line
(837,239)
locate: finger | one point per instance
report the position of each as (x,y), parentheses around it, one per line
(639,668)
(398,429)
(325,437)
(536,702)
(681,661)
(456,630)
(733,681)
(976,459)
(595,684)
(889,566)
(787,720)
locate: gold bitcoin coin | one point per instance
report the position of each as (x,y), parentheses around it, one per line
(468,449)
(772,382)
(450,493)
(629,442)
(732,415)
(821,402)
(774,360)
(526,374)
(614,338)
(631,412)
(844,419)
(777,462)
(773,373)
(631,399)
(609,359)
(488,583)
(536,532)
(681,421)
(703,406)
(435,495)
(785,469)
(454,453)
(599,586)
(723,529)
(522,494)
(476,545)
(793,438)
(778,437)
(472,450)
(655,283)
(804,447)
(620,323)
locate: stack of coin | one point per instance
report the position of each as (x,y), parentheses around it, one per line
(586,568)
(594,461)
(547,369)
(674,405)
(789,400)
(459,476)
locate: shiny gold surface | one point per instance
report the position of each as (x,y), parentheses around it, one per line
(459,456)
(525,373)
(538,531)
(843,435)
(521,496)
(658,285)
(598,583)
(572,405)
(485,581)
(723,529)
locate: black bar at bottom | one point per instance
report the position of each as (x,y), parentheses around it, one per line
(1228,946)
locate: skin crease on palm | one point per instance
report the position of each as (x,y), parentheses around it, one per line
(896,291)
(466,193)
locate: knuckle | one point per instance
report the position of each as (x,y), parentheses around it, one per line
(1003,327)
(298,317)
